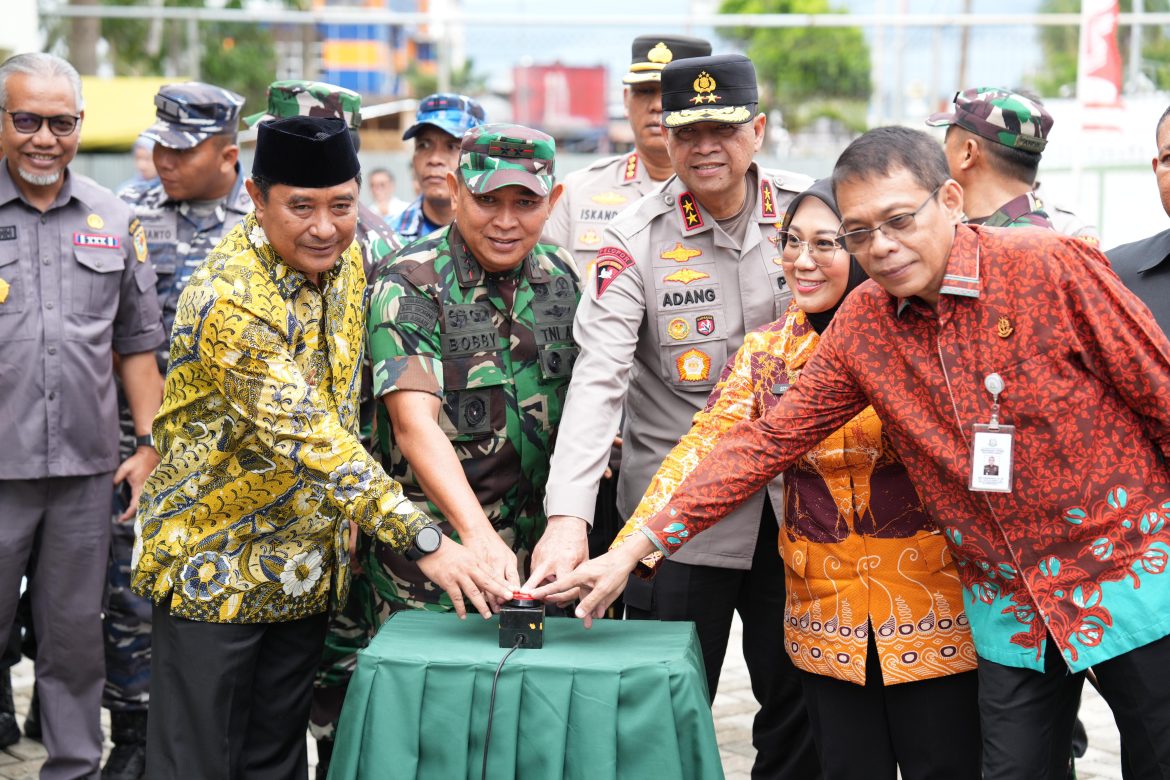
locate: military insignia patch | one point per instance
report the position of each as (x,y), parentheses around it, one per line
(694,365)
(95,221)
(631,168)
(767,203)
(3,291)
(421,312)
(8,233)
(589,238)
(705,324)
(680,253)
(686,276)
(609,199)
(97,240)
(610,263)
(678,329)
(692,217)
(705,87)
(139,236)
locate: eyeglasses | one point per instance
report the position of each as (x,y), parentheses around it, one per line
(29,123)
(856,241)
(822,251)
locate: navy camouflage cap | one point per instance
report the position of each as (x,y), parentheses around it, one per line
(999,115)
(296,97)
(451,113)
(709,89)
(494,156)
(190,113)
(651,53)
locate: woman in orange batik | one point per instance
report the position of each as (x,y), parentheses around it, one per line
(874,612)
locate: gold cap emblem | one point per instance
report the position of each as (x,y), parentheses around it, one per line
(660,53)
(704,85)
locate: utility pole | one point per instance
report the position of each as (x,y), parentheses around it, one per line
(964,46)
(1135,46)
(83,37)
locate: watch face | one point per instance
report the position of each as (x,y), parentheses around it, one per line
(428,539)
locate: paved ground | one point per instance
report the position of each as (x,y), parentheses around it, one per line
(734,709)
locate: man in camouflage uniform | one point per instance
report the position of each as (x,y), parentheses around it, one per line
(439,124)
(198,197)
(595,195)
(471,341)
(681,276)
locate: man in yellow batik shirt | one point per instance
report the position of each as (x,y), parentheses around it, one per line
(243,530)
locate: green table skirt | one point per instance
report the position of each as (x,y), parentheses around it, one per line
(626,699)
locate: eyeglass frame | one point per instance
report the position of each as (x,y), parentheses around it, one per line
(806,246)
(843,238)
(42,119)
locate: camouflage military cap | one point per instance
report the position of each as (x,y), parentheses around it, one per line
(451,113)
(310,98)
(709,89)
(494,156)
(190,113)
(651,53)
(999,115)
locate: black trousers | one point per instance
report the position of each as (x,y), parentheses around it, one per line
(231,701)
(1027,716)
(710,596)
(929,728)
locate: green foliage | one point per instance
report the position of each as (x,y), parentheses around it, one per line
(463,80)
(795,65)
(1058,72)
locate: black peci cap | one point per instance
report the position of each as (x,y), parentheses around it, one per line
(305,151)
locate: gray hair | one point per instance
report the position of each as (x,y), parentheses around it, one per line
(40,64)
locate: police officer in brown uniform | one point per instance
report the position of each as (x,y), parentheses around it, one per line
(680,277)
(595,195)
(76,290)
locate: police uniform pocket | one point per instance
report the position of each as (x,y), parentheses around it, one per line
(96,279)
(695,366)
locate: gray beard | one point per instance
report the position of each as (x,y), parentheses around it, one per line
(39,181)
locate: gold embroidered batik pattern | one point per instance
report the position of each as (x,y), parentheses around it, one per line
(246,518)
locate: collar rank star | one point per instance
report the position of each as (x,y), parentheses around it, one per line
(694,365)
(610,263)
(692,218)
(767,202)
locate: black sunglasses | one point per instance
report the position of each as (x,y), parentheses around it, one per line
(27,122)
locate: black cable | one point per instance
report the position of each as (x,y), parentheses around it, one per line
(487,737)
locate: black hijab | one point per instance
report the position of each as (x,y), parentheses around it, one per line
(823,191)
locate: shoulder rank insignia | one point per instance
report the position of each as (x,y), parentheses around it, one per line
(631,172)
(681,254)
(767,203)
(610,263)
(609,199)
(692,217)
(694,365)
(686,276)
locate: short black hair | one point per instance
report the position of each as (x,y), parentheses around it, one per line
(264,184)
(1018,164)
(1161,120)
(886,149)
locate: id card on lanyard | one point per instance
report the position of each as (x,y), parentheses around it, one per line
(991,447)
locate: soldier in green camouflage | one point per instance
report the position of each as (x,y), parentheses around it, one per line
(472,347)
(993,144)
